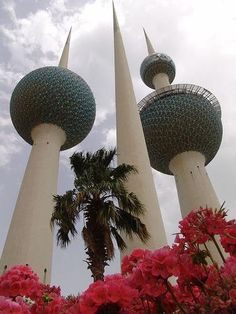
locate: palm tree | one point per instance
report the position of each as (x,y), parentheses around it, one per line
(107,207)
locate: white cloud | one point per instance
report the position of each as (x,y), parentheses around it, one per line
(101,116)
(58,5)
(39,33)
(110,138)
(5,121)
(9,145)
(9,7)
(8,78)
(65,157)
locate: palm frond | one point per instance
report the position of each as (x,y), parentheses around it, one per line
(122,172)
(129,201)
(104,157)
(63,238)
(120,242)
(64,216)
(130,225)
(80,162)
(107,212)
(82,198)
(77,162)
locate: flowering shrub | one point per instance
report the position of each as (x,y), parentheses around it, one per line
(20,281)
(228,238)
(184,278)
(9,306)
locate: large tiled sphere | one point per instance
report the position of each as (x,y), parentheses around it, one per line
(53,95)
(175,123)
(154,64)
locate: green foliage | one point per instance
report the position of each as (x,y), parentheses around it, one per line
(108,208)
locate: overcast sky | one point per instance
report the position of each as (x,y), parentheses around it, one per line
(199,36)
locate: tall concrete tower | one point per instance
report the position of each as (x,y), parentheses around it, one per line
(132,149)
(53,109)
(183,130)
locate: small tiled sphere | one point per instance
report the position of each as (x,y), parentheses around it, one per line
(53,95)
(177,123)
(154,64)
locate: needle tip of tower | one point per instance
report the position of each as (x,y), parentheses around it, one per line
(70,32)
(145,34)
(115,20)
(150,48)
(65,53)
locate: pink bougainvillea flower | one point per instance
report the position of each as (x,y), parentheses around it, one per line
(200,225)
(213,279)
(229,268)
(145,283)
(48,300)
(131,261)
(114,290)
(20,280)
(232,295)
(8,306)
(228,238)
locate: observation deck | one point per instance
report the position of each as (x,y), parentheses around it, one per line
(180,89)
(180,118)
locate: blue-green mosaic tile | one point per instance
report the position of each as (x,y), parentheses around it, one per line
(154,64)
(53,95)
(177,123)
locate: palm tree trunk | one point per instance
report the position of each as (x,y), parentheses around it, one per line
(95,264)
(96,251)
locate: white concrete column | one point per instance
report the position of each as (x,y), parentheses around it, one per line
(131,148)
(29,239)
(193,184)
(160,80)
(194,188)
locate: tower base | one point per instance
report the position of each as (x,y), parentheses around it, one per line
(30,240)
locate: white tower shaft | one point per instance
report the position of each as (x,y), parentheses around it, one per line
(193,184)
(29,239)
(132,149)
(194,188)
(161,80)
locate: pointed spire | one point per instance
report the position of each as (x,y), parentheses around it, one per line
(65,53)
(129,130)
(115,21)
(122,73)
(150,48)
